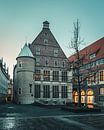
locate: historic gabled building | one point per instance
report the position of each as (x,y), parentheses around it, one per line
(42,72)
(91,73)
(4,80)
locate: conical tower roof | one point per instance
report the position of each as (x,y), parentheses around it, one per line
(25,51)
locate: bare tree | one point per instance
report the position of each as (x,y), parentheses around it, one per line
(75,44)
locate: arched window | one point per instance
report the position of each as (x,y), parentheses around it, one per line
(90,96)
(75,97)
(82,96)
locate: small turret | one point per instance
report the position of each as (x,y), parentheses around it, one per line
(25,72)
(46,25)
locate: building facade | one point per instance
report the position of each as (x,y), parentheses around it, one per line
(50,79)
(4,80)
(10,91)
(91,74)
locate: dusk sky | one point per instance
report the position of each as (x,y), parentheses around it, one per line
(21,21)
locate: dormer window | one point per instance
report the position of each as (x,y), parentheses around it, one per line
(45,41)
(37,51)
(92,55)
(56,52)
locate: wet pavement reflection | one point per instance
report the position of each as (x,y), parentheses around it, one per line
(27,117)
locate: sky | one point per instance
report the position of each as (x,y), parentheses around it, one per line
(22,20)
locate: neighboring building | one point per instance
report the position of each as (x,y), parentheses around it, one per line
(91,74)
(42,72)
(10,91)
(4,80)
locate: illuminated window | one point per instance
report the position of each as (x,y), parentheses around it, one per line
(101,75)
(82,96)
(37,75)
(46,75)
(102,91)
(75,97)
(90,97)
(90,92)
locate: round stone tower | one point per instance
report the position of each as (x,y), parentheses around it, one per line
(25,71)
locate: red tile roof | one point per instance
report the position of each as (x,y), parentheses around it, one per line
(95,48)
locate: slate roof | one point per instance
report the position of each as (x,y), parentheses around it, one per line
(45,34)
(25,51)
(94,48)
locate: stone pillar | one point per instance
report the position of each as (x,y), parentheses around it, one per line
(51,75)
(59,91)
(60,76)
(51,91)
(41,90)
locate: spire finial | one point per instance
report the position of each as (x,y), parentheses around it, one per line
(46,24)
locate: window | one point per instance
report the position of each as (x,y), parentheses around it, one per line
(46,91)
(55,91)
(101,91)
(37,75)
(56,52)
(55,75)
(37,91)
(20,64)
(55,63)
(46,62)
(64,91)
(45,41)
(94,78)
(63,64)
(92,56)
(64,76)
(91,79)
(101,75)
(37,51)
(30,85)
(19,91)
(46,75)
(37,61)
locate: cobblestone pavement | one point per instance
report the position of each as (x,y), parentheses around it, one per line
(27,117)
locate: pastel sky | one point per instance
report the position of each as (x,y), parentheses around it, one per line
(21,21)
